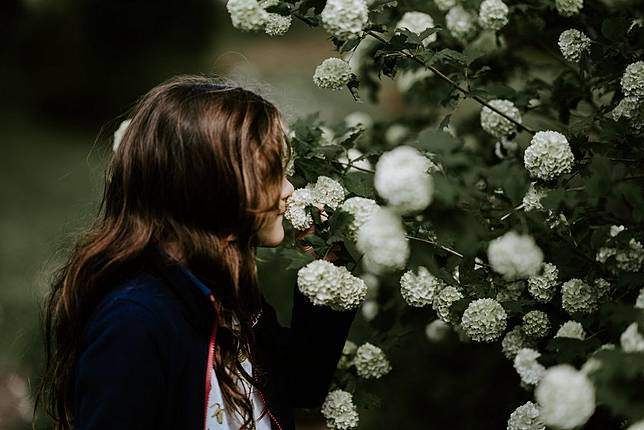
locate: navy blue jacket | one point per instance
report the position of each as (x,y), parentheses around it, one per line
(145,351)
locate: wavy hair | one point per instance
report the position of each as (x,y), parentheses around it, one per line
(199,169)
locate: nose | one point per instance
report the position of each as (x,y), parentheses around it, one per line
(287,188)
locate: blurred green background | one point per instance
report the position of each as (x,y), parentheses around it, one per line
(70,70)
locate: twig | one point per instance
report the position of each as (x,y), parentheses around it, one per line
(444,248)
(439,74)
(352,166)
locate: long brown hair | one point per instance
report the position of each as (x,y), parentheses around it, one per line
(199,169)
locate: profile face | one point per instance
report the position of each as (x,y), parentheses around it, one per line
(272,233)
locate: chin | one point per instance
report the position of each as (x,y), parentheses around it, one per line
(272,239)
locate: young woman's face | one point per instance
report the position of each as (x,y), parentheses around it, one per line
(272,233)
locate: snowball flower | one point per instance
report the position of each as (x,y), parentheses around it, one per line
(445,5)
(296,212)
(328,192)
(396,133)
(536,324)
(493,14)
(369,310)
(402,180)
(484,320)
(247,15)
(332,74)
(527,366)
(633,80)
(461,23)
(630,108)
(494,123)
(339,410)
(444,300)
(515,256)
(572,330)
(119,133)
(348,351)
(327,284)
(514,341)
(361,208)
(572,44)
(566,397)
(630,259)
(637,426)
(532,198)
(417,22)
(345,19)
(419,289)
(569,7)
(383,242)
(436,330)
(371,362)
(548,155)
(542,285)
(578,296)
(639,302)
(277,25)
(526,417)
(631,340)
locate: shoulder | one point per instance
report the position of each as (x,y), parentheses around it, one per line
(140,304)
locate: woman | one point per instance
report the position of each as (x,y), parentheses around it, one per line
(156,321)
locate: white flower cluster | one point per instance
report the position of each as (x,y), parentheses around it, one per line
(495,124)
(461,23)
(639,302)
(527,366)
(328,192)
(417,22)
(633,80)
(119,133)
(536,324)
(532,198)
(437,330)
(419,289)
(383,242)
(578,297)
(526,417)
(348,353)
(484,320)
(402,180)
(573,44)
(345,19)
(515,256)
(327,284)
(566,397)
(542,286)
(296,211)
(628,259)
(371,362)
(444,301)
(572,330)
(637,426)
(514,341)
(445,5)
(247,15)
(277,25)
(631,340)
(339,410)
(325,191)
(361,208)
(569,7)
(493,14)
(548,155)
(332,74)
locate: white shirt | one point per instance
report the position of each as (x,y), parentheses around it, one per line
(220,418)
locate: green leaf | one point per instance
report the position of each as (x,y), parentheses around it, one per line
(360,183)
(296,259)
(437,141)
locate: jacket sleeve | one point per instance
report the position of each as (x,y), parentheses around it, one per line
(317,336)
(119,375)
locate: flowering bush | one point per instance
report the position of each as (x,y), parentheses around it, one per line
(505,207)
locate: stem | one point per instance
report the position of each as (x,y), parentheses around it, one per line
(438,73)
(444,248)
(351,166)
